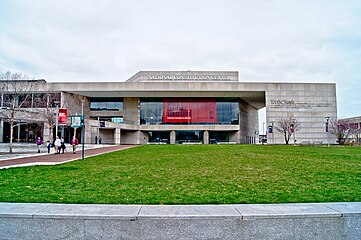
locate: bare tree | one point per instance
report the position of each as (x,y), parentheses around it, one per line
(73,102)
(45,107)
(287,127)
(16,95)
(76,105)
(342,129)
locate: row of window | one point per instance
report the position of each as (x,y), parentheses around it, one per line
(188,137)
(106,104)
(190,111)
(35,100)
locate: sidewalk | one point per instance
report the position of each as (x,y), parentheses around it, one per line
(53,159)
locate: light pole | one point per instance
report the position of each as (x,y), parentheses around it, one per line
(328,135)
(19,125)
(56,118)
(273,136)
(98,131)
(82,129)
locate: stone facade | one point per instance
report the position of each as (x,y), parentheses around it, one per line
(309,103)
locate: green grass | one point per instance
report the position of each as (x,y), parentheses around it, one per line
(198,174)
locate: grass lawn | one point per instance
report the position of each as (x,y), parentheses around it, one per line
(194,174)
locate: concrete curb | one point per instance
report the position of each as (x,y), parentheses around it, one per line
(240,221)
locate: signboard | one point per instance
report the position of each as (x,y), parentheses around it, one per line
(117,119)
(190,77)
(76,121)
(63,116)
(189,110)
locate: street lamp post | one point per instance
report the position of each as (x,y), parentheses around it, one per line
(294,132)
(273,136)
(57,118)
(19,125)
(327,127)
(98,131)
(82,129)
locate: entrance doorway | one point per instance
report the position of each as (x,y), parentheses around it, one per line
(183,137)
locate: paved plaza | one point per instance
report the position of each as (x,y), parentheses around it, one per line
(26,154)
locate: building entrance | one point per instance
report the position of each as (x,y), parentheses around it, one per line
(218,137)
(184,137)
(159,137)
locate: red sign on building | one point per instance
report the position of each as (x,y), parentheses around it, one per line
(190,110)
(292,128)
(63,116)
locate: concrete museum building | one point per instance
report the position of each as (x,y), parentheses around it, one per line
(178,107)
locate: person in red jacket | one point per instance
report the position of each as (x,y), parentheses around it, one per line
(74,143)
(38,143)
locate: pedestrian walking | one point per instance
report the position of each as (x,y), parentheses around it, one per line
(38,143)
(100,140)
(48,145)
(62,145)
(74,143)
(57,145)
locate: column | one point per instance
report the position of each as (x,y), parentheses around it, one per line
(206,137)
(117,136)
(46,132)
(172,137)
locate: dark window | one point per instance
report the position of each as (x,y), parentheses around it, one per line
(188,136)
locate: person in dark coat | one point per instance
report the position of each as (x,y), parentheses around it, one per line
(62,145)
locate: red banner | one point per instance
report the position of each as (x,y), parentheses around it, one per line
(63,116)
(191,110)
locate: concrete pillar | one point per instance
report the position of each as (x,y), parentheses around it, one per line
(235,137)
(117,136)
(46,132)
(87,132)
(172,137)
(62,130)
(143,136)
(206,137)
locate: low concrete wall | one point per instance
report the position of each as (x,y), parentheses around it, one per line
(271,221)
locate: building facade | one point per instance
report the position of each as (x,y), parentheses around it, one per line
(183,107)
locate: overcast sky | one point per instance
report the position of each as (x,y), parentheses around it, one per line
(111,40)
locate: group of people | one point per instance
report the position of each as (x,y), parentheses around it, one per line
(59,144)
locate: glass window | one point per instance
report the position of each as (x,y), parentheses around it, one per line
(106,104)
(183,137)
(185,111)
(159,137)
(151,110)
(218,137)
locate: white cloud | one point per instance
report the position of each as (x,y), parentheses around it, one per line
(88,40)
